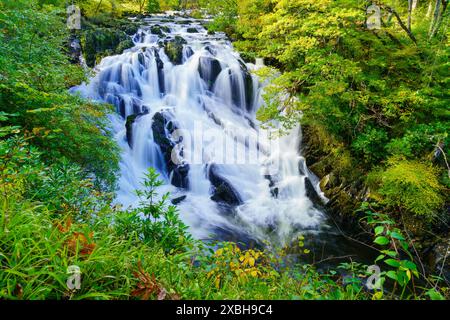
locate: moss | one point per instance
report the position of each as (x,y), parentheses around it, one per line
(100,42)
(123,45)
(174,49)
(104,35)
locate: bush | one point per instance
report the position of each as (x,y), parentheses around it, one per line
(154,222)
(413,186)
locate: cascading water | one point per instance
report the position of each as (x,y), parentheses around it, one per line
(186,105)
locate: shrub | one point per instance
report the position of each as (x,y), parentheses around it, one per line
(413,186)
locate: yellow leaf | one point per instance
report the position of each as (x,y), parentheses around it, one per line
(217,282)
(377,295)
(254,273)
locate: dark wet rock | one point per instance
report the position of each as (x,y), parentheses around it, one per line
(209,69)
(301,164)
(215,118)
(129,125)
(223,190)
(180,176)
(243,239)
(160,67)
(174,49)
(178,200)
(192,30)
(248,88)
(188,52)
(141,58)
(312,194)
(129,129)
(273,189)
(211,50)
(159,134)
(162,121)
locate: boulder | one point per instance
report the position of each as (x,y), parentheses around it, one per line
(192,30)
(180,176)
(174,49)
(178,200)
(124,45)
(209,69)
(223,191)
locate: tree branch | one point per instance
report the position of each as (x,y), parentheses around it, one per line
(402,25)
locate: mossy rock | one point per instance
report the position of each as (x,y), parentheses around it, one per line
(101,42)
(174,49)
(156,29)
(131,29)
(124,45)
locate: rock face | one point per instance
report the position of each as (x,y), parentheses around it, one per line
(223,190)
(162,126)
(209,69)
(74,49)
(344,191)
(312,194)
(174,49)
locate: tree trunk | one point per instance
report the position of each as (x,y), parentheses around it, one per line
(410,4)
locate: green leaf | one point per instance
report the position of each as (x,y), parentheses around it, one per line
(397,236)
(381,256)
(392,263)
(434,295)
(381,240)
(379,230)
(409,264)
(389,253)
(392,274)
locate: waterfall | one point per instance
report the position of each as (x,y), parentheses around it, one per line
(185,104)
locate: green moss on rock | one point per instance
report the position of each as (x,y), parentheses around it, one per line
(174,49)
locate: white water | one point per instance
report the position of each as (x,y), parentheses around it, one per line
(224,111)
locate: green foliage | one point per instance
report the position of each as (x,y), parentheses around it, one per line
(36,74)
(154,222)
(378,93)
(413,186)
(153,6)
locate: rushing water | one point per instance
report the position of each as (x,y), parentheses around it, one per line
(192,117)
